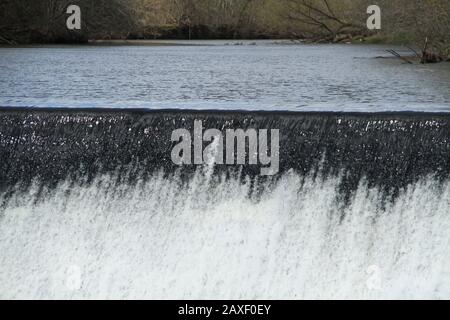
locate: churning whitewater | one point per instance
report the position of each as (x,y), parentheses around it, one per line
(213,238)
(92,206)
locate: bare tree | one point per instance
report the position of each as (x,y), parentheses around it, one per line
(321,19)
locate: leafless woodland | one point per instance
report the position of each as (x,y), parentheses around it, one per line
(403,21)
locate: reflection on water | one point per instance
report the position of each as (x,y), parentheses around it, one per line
(262,76)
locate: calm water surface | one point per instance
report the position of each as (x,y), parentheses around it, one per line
(214,75)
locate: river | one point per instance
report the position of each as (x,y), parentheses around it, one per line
(257,75)
(93,206)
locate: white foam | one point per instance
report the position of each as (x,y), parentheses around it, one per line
(160,240)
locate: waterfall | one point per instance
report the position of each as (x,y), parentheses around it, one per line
(91,206)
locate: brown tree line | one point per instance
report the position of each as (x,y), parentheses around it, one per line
(31,21)
(417,21)
(25,21)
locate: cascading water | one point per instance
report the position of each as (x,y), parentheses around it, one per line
(360,208)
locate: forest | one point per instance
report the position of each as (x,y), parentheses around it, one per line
(403,21)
